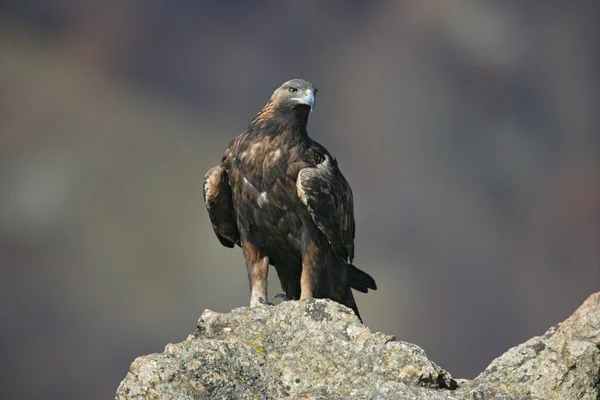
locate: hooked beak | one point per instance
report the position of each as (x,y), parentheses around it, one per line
(308,99)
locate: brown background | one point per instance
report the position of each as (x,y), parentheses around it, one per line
(468,130)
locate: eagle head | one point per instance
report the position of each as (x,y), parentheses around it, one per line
(295,93)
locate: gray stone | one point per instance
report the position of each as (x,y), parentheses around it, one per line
(564,363)
(318,349)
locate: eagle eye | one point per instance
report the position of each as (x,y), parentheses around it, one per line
(293,90)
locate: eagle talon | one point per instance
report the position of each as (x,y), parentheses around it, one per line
(261,300)
(281,296)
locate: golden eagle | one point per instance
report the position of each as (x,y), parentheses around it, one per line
(281,197)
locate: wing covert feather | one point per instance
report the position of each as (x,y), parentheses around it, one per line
(328,197)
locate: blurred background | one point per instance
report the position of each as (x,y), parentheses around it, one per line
(468,130)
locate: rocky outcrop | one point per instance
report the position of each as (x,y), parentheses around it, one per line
(564,363)
(317,349)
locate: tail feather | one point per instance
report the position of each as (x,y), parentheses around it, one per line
(359,279)
(349,302)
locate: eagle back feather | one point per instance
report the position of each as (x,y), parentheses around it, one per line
(328,198)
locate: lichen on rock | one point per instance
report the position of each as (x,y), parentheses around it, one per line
(318,349)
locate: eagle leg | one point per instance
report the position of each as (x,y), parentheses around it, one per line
(258,269)
(312,271)
(258,281)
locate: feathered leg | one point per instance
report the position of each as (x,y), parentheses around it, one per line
(312,267)
(258,269)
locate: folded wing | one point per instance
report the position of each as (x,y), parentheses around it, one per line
(219,203)
(328,197)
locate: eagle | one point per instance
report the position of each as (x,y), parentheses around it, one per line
(281,197)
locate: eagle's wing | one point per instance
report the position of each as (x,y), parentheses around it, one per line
(328,197)
(219,203)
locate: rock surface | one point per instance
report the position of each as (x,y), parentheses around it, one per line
(564,363)
(317,349)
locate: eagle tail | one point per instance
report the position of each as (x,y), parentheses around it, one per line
(359,279)
(349,302)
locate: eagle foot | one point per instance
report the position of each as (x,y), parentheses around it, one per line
(281,296)
(261,300)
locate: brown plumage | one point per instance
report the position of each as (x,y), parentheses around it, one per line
(281,197)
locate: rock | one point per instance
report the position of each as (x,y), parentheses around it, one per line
(318,349)
(564,363)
